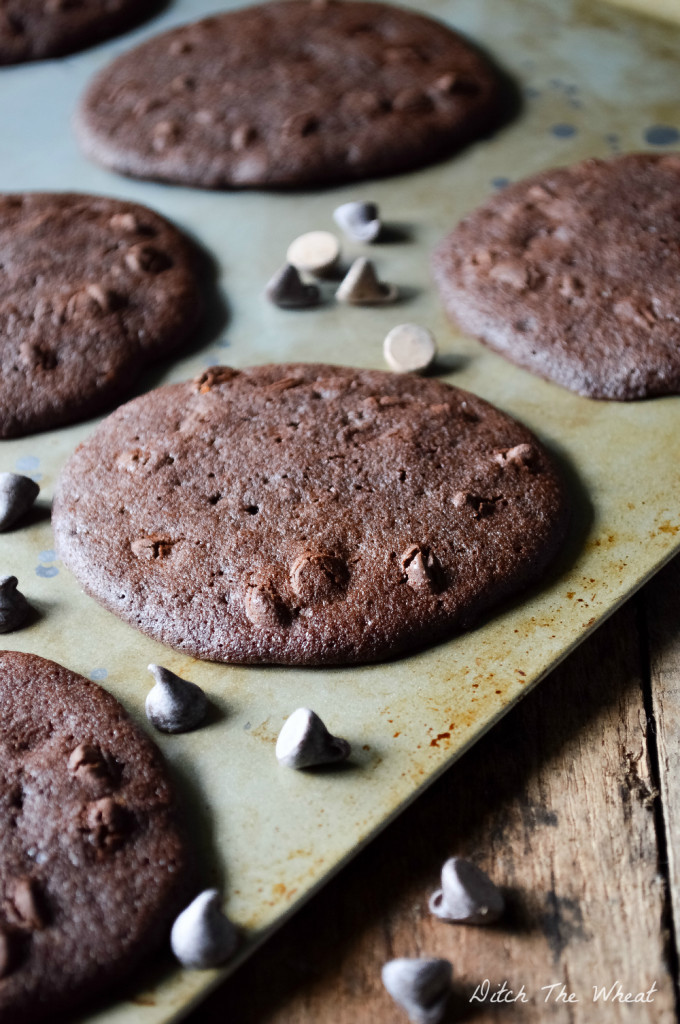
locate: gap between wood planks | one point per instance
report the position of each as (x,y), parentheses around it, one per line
(571,803)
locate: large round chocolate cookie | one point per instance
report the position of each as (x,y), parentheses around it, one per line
(575,275)
(92,864)
(306,514)
(91,291)
(33,29)
(293,93)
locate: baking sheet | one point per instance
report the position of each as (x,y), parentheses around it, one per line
(594,82)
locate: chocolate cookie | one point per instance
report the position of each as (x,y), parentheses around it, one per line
(33,29)
(92,863)
(293,93)
(575,275)
(306,514)
(91,291)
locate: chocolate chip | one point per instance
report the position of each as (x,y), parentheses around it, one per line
(179,46)
(174,704)
(37,356)
(363,105)
(242,137)
(152,547)
(183,83)
(125,222)
(165,133)
(107,300)
(636,311)
(409,348)
(412,101)
(316,252)
(362,287)
(452,83)
(300,125)
(317,576)
(360,221)
(148,259)
(571,287)
(511,272)
(287,290)
(17,494)
(89,766)
(481,507)
(213,377)
(520,455)
(24,907)
(106,823)
(14,608)
(265,607)
(421,568)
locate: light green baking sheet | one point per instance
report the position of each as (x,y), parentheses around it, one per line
(595,81)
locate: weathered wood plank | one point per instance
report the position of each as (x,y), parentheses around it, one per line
(556,803)
(662,603)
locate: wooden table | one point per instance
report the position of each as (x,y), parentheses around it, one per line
(571,804)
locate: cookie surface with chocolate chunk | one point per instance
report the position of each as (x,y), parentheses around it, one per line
(573,274)
(307,514)
(35,29)
(291,93)
(92,290)
(93,865)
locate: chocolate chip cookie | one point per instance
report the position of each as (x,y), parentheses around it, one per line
(34,29)
(574,274)
(307,514)
(92,862)
(303,92)
(91,291)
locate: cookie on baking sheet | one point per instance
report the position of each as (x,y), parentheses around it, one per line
(34,29)
(91,291)
(306,514)
(574,274)
(93,865)
(293,93)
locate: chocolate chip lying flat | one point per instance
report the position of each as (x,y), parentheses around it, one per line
(17,494)
(334,532)
(316,252)
(92,290)
(359,221)
(409,348)
(523,274)
(93,867)
(290,93)
(35,29)
(467,895)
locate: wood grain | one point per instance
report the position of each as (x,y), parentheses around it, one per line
(662,608)
(558,803)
